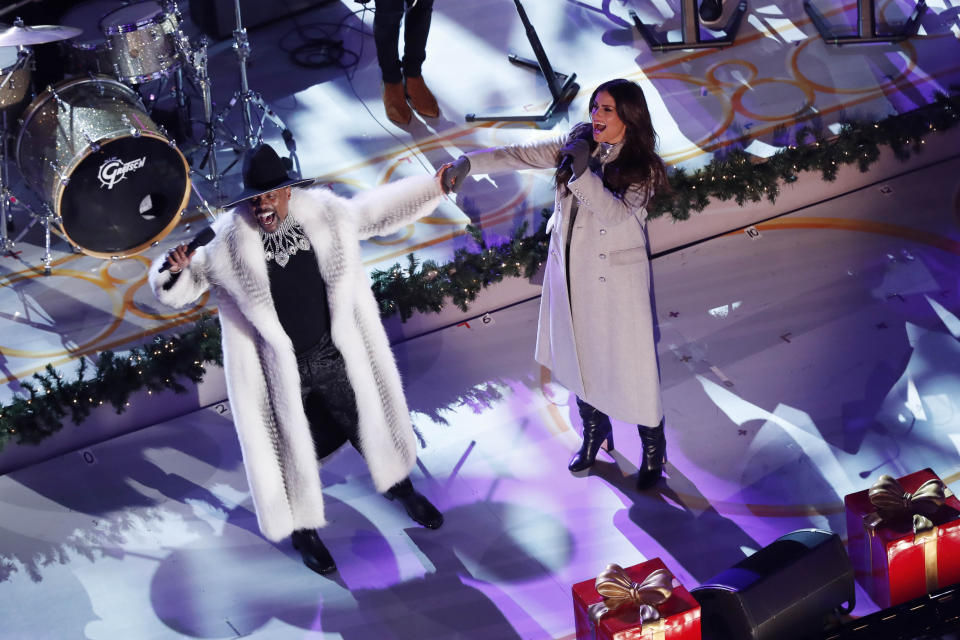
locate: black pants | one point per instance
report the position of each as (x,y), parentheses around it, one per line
(328,398)
(331,405)
(386,35)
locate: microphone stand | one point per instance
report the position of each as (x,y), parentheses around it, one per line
(562,86)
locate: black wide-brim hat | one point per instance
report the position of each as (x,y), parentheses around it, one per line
(264,171)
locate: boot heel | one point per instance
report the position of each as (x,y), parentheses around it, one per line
(597,430)
(654,456)
(608,443)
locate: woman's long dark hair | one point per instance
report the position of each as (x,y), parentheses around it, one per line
(638,162)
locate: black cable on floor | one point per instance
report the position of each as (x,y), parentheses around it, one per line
(319,47)
(324,50)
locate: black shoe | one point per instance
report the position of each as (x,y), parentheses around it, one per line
(596,430)
(313,551)
(418,507)
(654,455)
(710,12)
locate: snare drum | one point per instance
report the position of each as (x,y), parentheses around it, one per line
(88,52)
(14,78)
(142,40)
(115,181)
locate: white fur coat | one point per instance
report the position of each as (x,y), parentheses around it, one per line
(263,382)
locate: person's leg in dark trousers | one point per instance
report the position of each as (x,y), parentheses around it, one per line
(402,80)
(386,36)
(318,378)
(415,31)
(332,412)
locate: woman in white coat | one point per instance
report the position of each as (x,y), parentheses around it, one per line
(596,317)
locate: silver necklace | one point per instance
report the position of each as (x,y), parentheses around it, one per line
(284,242)
(605,149)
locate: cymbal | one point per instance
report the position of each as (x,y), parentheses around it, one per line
(40,34)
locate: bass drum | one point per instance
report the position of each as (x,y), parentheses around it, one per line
(115,182)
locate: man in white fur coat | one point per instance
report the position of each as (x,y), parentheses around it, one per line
(307,361)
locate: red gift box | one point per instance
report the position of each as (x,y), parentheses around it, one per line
(679,614)
(903,537)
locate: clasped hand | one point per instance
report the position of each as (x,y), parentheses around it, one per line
(453,173)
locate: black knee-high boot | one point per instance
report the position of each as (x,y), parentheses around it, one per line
(596,429)
(654,455)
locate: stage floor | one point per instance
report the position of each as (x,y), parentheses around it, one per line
(797,365)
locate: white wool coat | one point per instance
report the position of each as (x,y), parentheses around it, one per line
(596,336)
(263,381)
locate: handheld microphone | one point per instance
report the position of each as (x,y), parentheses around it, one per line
(201,239)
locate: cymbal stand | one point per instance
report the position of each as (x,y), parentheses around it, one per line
(48,217)
(7,200)
(195,59)
(249,100)
(185,49)
(198,63)
(45,219)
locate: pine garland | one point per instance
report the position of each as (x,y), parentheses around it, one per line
(737,177)
(427,286)
(155,366)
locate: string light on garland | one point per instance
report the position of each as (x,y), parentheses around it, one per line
(51,400)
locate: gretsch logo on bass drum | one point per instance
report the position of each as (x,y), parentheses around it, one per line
(114,170)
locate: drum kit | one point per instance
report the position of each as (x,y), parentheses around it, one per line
(102,173)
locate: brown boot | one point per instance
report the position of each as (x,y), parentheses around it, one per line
(395,103)
(421,99)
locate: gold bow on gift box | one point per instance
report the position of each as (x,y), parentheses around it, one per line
(892,502)
(618,590)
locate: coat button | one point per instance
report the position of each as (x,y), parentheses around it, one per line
(603,256)
(602,279)
(603,231)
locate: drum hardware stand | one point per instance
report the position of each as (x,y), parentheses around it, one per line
(7,200)
(216,131)
(208,211)
(562,86)
(186,51)
(45,219)
(248,99)
(198,62)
